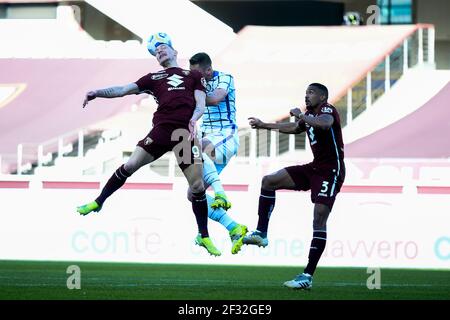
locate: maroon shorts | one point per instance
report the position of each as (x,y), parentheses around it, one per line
(323,183)
(168,137)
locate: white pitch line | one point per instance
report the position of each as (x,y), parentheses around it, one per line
(182,282)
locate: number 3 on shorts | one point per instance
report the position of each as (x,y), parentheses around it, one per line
(324,187)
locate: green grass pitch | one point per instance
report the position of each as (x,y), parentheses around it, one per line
(48,280)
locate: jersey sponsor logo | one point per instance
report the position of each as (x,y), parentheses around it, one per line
(327,110)
(175,80)
(159,76)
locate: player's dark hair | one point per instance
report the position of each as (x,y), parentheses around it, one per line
(323,90)
(202,59)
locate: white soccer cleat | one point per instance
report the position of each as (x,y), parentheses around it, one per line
(257,238)
(302,281)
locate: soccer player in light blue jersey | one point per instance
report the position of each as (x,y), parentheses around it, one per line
(220,142)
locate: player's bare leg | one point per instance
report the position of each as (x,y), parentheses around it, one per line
(194,176)
(304,280)
(270,183)
(138,158)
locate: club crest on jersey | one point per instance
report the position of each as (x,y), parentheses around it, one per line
(159,76)
(186,72)
(147,141)
(327,110)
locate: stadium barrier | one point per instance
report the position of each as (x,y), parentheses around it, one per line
(376,222)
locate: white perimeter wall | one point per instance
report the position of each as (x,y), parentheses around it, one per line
(156,226)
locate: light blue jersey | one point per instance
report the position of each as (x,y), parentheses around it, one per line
(219,121)
(223,115)
(219,127)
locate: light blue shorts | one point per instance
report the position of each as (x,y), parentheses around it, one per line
(226,145)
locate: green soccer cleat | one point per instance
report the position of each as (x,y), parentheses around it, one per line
(237,236)
(221,201)
(88,208)
(208,245)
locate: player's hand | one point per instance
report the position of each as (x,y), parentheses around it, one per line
(297,113)
(192,129)
(255,123)
(89,96)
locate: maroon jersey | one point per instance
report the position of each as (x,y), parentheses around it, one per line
(173,90)
(327,145)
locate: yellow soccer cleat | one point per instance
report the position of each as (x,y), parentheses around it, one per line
(221,201)
(88,208)
(208,245)
(237,236)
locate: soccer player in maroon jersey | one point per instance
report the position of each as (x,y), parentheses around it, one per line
(324,176)
(180,95)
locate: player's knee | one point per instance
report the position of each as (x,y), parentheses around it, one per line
(131,167)
(321,213)
(197,186)
(319,224)
(268,183)
(189,195)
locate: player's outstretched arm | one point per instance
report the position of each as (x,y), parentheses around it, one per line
(200,101)
(112,92)
(285,127)
(324,121)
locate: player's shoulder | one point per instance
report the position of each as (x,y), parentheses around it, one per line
(221,74)
(327,109)
(190,73)
(195,75)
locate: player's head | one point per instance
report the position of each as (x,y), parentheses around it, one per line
(165,54)
(316,94)
(202,63)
